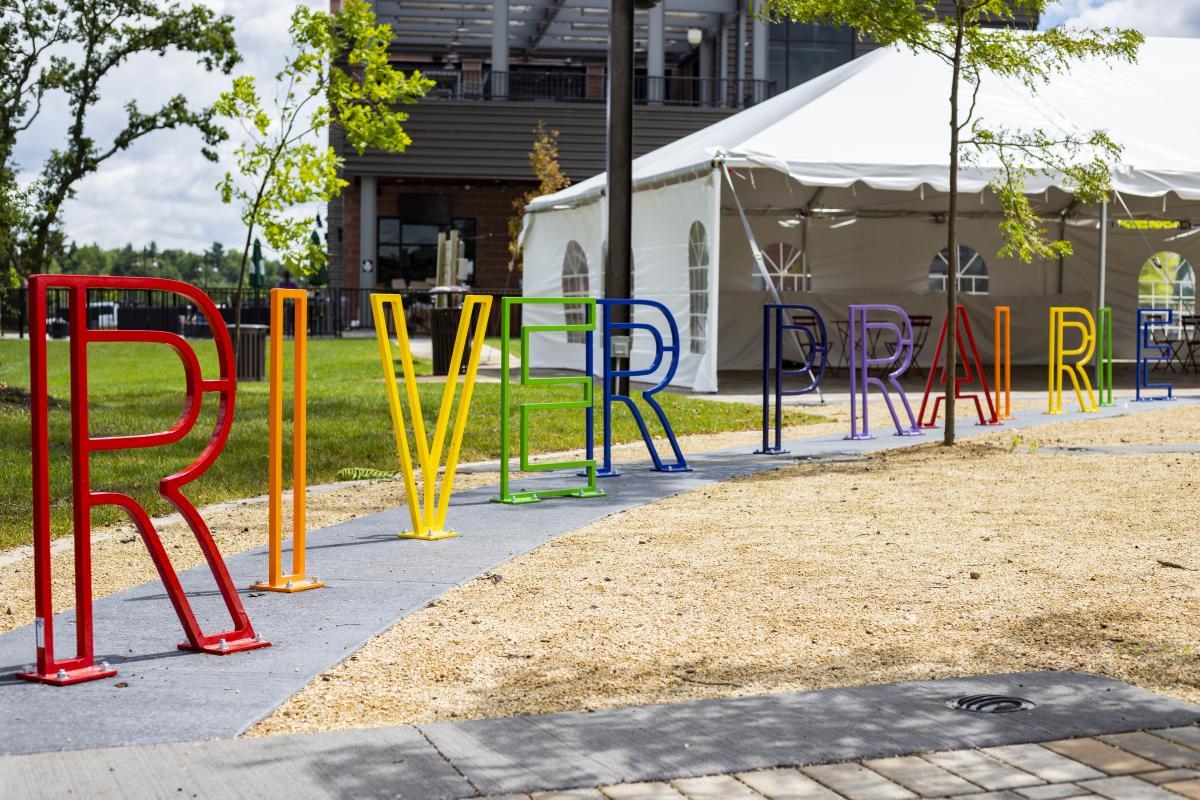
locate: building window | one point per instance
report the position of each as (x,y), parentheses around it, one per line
(800,52)
(785,265)
(575,284)
(407,252)
(698,287)
(1167,280)
(972,271)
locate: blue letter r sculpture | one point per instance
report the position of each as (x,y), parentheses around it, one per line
(609,374)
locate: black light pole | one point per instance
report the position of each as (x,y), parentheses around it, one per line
(618,273)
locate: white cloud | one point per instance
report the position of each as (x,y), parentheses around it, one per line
(1151,17)
(162,188)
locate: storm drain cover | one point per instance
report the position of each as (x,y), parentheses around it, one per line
(991,703)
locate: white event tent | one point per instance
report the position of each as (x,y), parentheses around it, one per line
(841,182)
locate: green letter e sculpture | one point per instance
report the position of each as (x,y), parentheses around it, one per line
(585,403)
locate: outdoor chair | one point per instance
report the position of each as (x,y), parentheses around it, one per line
(1191,341)
(1161,336)
(843,327)
(920,328)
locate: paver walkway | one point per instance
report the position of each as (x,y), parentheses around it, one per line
(891,742)
(374,579)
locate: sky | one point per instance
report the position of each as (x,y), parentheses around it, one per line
(162,189)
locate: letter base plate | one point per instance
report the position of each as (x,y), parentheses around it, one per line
(235,646)
(427,536)
(288,585)
(68,676)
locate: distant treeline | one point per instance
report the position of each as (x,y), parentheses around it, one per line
(214,267)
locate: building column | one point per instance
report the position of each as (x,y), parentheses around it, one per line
(706,72)
(655,54)
(499,49)
(723,59)
(740,80)
(759,65)
(368,228)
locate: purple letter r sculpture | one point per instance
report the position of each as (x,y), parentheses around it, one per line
(863,333)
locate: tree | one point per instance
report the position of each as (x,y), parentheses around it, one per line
(71,46)
(337,70)
(543,161)
(976,39)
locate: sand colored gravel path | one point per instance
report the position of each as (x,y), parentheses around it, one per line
(813,576)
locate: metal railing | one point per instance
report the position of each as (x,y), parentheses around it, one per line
(579,87)
(331,312)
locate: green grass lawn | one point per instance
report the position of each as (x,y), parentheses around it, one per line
(137,388)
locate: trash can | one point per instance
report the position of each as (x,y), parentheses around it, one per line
(251,355)
(444,328)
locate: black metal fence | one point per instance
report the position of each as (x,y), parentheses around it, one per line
(331,312)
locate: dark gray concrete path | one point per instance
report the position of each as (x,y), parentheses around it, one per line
(374,579)
(619,746)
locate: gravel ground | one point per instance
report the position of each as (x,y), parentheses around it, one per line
(813,576)
(1169,424)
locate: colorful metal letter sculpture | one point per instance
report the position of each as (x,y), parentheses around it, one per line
(1058,353)
(1147,318)
(82,666)
(1104,363)
(607,470)
(972,368)
(429,516)
(296,581)
(584,403)
(815,354)
(861,328)
(1002,342)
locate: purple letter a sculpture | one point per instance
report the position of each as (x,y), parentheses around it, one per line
(862,333)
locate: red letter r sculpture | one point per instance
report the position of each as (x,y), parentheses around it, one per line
(82,667)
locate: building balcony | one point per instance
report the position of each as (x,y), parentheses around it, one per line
(562,86)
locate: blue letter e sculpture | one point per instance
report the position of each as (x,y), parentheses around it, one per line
(609,374)
(814,351)
(862,359)
(1148,318)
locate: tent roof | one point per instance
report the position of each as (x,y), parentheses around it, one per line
(881,121)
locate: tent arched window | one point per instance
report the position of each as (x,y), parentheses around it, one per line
(785,265)
(698,270)
(575,284)
(972,271)
(1167,280)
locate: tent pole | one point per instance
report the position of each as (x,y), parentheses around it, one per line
(762,270)
(1103,276)
(1103,250)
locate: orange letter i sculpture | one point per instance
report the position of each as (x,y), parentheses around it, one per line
(276,580)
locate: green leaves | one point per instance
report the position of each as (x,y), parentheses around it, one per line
(100,36)
(979,40)
(337,70)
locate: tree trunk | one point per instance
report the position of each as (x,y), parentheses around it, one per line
(952,267)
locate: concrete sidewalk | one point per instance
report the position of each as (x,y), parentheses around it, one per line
(747,747)
(374,579)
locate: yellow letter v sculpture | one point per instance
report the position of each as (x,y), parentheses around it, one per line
(429,513)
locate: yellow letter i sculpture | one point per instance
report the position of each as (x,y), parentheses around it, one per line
(428,511)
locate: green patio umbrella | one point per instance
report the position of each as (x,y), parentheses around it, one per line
(321,276)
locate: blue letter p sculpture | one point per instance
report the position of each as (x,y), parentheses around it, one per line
(609,374)
(861,360)
(1147,318)
(814,351)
